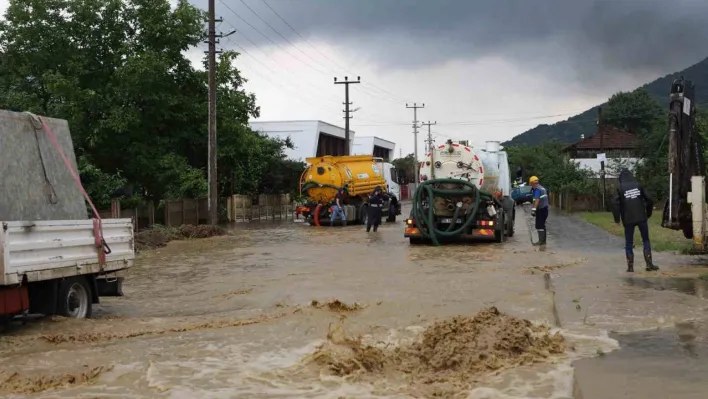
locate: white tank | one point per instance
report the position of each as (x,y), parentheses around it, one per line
(456,161)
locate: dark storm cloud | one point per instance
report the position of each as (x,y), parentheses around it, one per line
(583,34)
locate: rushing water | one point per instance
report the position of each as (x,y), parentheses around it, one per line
(233,317)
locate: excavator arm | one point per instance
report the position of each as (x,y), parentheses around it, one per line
(685,208)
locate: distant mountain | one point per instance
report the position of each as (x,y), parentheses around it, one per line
(570,130)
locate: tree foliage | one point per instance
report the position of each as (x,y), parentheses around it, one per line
(548,162)
(407,165)
(636,112)
(137,107)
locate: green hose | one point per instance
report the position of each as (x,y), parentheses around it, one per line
(426,222)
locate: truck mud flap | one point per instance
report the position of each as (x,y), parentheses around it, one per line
(109,287)
(13,300)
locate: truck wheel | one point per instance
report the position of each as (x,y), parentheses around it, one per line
(74,298)
(363,214)
(512,222)
(499,232)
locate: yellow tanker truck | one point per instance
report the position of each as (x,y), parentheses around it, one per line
(358,175)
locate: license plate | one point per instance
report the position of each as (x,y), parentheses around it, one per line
(449,220)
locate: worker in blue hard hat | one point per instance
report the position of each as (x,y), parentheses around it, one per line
(539,209)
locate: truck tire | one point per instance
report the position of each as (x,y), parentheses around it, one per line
(363,214)
(74,298)
(512,222)
(391,214)
(500,231)
(415,240)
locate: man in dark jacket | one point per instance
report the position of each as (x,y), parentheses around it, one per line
(375,209)
(634,207)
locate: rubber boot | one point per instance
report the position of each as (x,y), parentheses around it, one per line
(541,237)
(376,227)
(630,263)
(368,228)
(650,264)
(344,222)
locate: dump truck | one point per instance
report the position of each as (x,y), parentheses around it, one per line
(464,193)
(358,175)
(54,258)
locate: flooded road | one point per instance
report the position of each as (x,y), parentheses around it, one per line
(234,316)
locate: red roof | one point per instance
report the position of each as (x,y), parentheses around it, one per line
(612,138)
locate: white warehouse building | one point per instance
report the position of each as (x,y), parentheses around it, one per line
(316,138)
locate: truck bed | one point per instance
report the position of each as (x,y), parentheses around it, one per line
(45,250)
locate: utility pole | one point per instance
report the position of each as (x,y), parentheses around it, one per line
(430,147)
(602,151)
(212,176)
(213,190)
(346,84)
(430,136)
(415,139)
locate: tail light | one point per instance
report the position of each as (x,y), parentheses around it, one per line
(410,222)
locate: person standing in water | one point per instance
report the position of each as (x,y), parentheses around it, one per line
(633,207)
(375,209)
(540,208)
(337,209)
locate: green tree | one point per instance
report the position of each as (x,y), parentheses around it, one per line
(407,165)
(553,168)
(116,70)
(635,112)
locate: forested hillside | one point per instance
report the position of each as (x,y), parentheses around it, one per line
(569,131)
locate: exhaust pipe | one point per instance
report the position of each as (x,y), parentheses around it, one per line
(450,207)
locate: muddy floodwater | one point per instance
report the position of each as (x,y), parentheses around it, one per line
(283,309)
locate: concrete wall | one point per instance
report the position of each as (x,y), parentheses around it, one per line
(25,155)
(304,135)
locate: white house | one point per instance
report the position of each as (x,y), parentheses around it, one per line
(316,138)
(310,138)
(620,149)
(376,146)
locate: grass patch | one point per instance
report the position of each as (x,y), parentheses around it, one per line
(662,239)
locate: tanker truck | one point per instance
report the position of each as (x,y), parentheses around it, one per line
(464,193)
(358,175)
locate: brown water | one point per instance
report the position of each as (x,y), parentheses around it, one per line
(234,316)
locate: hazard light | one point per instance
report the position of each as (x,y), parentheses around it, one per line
(412,231)
(486,223)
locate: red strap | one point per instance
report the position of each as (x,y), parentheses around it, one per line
(97,225)
(67,163)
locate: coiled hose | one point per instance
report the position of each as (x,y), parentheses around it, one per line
(426,220)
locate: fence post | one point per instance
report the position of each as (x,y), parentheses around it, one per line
(151,214)
(115,208)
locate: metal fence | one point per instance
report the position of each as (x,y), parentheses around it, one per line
(244,208)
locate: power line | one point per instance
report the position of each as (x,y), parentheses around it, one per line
(269,39)
(298,89)
(393,96)
(272,41)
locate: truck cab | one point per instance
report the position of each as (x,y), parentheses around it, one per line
(390,173)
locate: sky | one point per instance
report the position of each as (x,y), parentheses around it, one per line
(485,70)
